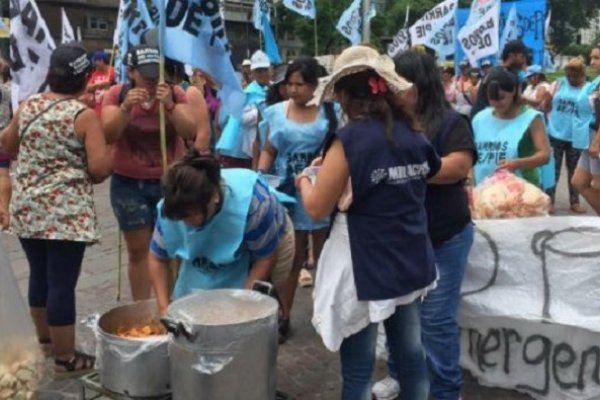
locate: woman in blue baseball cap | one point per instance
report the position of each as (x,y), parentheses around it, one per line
(537,90)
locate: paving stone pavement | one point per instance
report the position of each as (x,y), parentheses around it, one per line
(306,370)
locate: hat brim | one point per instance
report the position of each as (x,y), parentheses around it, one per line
(260,66)
(325,90)
(149,71)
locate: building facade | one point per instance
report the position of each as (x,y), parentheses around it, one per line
(97,19)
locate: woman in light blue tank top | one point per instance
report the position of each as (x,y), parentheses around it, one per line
(508,135)
(567,142)
(587,175)
(296,132)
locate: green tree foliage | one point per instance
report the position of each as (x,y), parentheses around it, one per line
(567,18)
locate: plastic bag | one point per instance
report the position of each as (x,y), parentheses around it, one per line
(505,195)
(21,360)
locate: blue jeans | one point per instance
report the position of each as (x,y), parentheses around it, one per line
(357,353)
(441,335)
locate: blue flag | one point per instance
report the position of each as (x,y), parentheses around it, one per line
(270,43)
(133,22)
(260,9)
(350,23)
(196,36)
(306,8)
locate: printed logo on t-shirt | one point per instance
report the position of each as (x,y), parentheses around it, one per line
(400,174)
(491,152)
(567,107)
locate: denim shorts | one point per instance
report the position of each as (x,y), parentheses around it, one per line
(134,201)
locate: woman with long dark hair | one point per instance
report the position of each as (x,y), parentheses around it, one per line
(449,221)
(378,261)
(296,131)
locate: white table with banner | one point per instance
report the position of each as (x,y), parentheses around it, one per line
(530,306)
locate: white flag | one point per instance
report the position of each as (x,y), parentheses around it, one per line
(400,43)
(67,30)
(511,27)
(443,41)
(547,27)
(30,50)
(79,37)
(350,23)
(119,26)
(306,8)
(481,38)
(432,22)
(478,9)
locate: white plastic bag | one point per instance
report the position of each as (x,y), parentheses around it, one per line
(505,195)
(21,360)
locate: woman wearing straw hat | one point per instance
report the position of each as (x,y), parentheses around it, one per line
(378,261)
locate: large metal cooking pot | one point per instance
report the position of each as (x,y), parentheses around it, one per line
(136,367)
(223,345)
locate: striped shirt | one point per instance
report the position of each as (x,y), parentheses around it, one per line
(265,226)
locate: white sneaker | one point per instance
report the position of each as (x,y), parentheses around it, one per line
(386,389)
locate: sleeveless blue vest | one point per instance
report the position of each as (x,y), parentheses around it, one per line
(585,116)
(392,255)
(498,139)
(564,111)
(230,144)
(297,145)
(212,257)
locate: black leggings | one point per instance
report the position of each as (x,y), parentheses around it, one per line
(563,149)
(54,269)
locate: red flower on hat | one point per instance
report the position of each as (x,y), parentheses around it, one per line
(377,85)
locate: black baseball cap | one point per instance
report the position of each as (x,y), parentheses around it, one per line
(70,60)
(145,59)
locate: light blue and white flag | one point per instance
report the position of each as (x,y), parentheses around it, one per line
(68,35)
(270,42)
(133,22)
(350,23)
(199,39)
(479,8)
(511,27)
(443,41)
(306,8)
(261,7)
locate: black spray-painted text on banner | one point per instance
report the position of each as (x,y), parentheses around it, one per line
(481,38)
(191,14)
(430,18)
(561,364)
(30,19)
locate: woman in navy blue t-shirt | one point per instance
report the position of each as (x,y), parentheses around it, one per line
(378,261)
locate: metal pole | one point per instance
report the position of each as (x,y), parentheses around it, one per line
(366,23)
(316,38)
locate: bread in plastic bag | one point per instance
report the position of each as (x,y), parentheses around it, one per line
(21,360)
(505,195)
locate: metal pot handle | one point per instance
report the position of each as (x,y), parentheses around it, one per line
(178,328)
(263,287)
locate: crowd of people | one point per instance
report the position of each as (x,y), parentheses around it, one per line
(362,172)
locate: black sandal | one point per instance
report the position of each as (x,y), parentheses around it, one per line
(80,364)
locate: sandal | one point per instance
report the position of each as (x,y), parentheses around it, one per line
(46,346)
(80,364)
(305,279)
